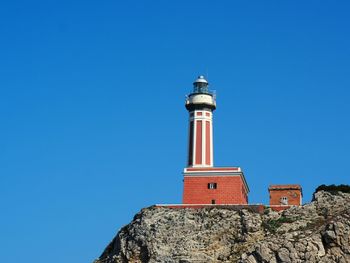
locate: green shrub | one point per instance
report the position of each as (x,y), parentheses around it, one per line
(273,224)
(334,189)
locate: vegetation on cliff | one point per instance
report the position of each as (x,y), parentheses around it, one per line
(334,189)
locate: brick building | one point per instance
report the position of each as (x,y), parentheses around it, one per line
(285,195)
(203,182)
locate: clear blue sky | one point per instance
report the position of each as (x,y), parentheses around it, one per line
(93,123)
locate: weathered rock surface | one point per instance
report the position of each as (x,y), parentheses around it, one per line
(316,232)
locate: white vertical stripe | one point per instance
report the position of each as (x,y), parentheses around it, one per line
(188,140)
(203,141)
(211,142)
(194,139)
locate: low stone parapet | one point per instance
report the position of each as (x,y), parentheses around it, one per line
(257,208)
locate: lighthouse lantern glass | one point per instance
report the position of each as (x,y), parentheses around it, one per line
(200,87)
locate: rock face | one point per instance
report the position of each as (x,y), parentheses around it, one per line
(316,232)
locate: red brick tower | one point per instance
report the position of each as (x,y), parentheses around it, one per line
(204,183)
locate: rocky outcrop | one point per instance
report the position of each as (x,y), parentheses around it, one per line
(316,232)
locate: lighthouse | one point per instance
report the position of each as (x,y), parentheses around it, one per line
(203,182)
(200,104)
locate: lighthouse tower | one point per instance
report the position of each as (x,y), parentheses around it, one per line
(204,183)
(201,104)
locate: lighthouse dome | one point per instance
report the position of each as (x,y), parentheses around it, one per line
(200,79)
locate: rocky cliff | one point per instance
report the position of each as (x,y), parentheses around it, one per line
(316,232)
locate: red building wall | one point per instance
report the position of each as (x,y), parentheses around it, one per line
(293,193)
(229,190)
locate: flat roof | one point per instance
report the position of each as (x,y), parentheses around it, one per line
(284,186)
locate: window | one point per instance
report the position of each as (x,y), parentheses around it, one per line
(213,202)
(212,186)
(284,200)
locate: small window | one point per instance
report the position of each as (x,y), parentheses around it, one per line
(284,200)
(213,202)
(212,186)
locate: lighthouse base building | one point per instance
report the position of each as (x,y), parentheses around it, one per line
(215,185)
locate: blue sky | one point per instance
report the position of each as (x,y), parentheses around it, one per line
(93,123)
